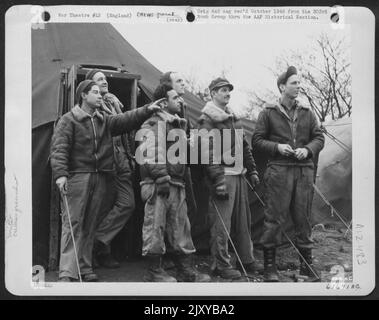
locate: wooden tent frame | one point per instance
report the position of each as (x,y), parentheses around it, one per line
(65,103)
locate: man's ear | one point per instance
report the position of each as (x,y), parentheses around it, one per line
(83,95)
(282,87)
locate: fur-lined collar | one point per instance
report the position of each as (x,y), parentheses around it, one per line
(80,115)
(278,104)
(217,114)
(111,99)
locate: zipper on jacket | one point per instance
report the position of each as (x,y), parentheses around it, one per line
(95,135)
(293,133)
(292,124)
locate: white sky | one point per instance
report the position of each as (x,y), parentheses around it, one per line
(244,50)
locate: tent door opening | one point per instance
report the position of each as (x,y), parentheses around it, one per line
(122,84)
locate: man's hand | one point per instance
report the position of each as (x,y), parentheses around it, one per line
(301,153)
(155,106)
(163,189)
(285,150)
(62,184)
(254,180)
(221,192)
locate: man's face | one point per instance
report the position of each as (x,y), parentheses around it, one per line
(101,81)
(93,97)
(292,87)
(221,95)
(178,83)
(173,102)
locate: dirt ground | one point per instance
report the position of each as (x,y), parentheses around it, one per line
(333,250)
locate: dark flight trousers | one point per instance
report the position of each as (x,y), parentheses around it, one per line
(288,195)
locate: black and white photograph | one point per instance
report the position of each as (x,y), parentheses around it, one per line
(184,155)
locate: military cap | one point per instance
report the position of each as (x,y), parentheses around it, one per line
(82,86)
(91,73)
(282,79)
(220,82)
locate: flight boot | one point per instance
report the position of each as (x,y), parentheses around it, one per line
(156,273)
(270,270)
(306,267)
(187,271)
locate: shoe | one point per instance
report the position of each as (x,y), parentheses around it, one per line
(156,273)
(107,261)
(66,279)
(186,270)
(308,269)
(270,270)
(90,277)
(167,263)
(229,273)
(253,267)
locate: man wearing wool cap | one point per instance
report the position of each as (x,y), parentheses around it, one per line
(289,134)
(82,164)
(120,203)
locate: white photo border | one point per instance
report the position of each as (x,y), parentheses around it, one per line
(18,187)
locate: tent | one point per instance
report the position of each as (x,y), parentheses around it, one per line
(58,46)
(334,174)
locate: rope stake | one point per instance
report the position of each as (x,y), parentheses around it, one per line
(231,241)
(332,209)
(337,141)
(284,233)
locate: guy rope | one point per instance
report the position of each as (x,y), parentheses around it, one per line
(284,232)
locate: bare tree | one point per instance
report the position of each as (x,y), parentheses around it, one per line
(337,76)
(256,102)
(325,77)
(196,86)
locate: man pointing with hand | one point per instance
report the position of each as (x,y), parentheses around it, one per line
(82,162)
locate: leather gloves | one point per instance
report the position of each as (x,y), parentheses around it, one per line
(163,189)
(219,189)
(221,192)
(254,180)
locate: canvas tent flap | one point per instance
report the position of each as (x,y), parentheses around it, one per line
(41,187)
(334,174)
(61,45)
